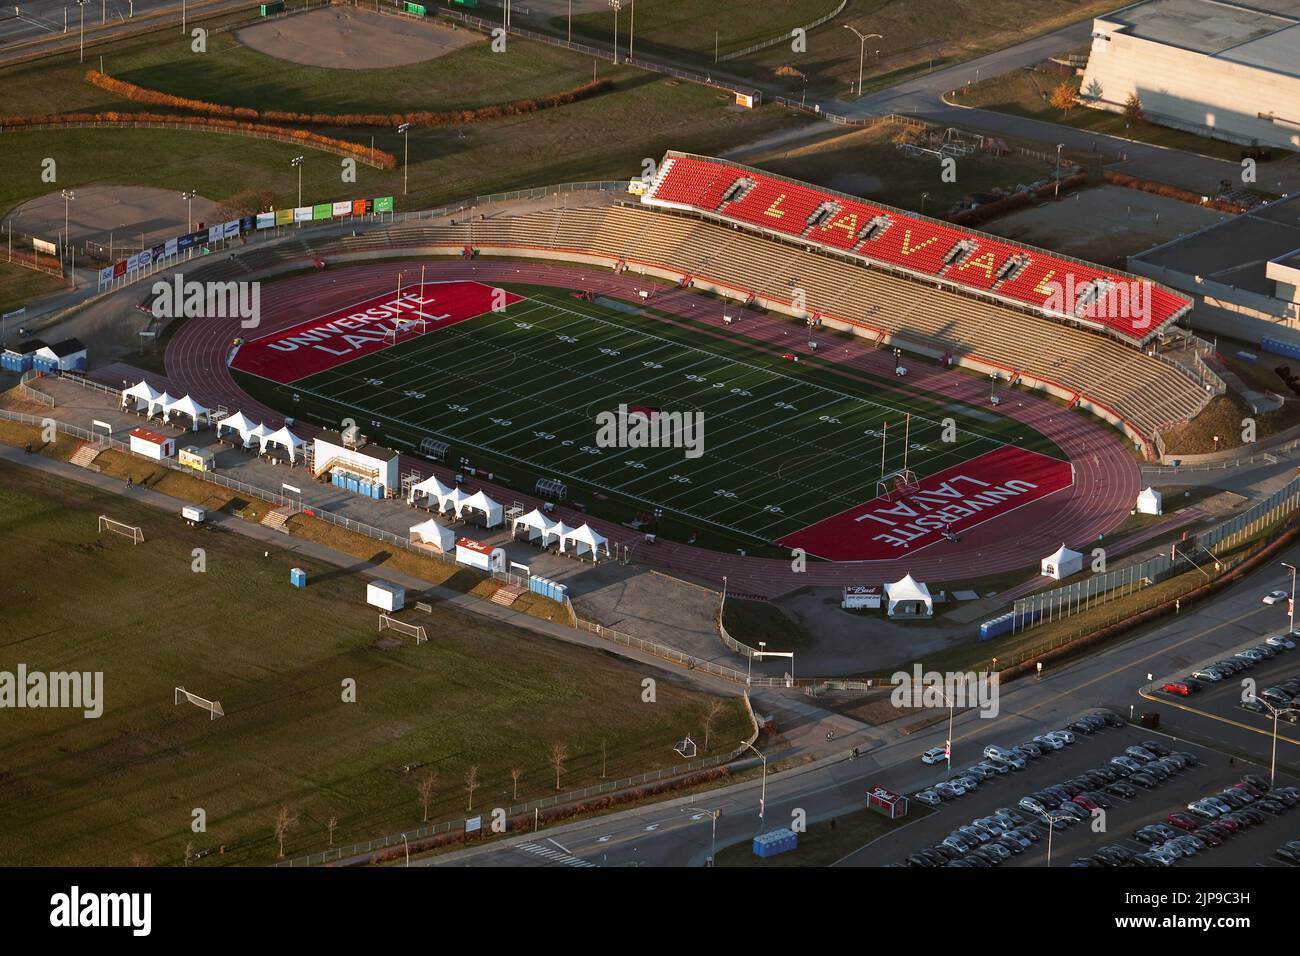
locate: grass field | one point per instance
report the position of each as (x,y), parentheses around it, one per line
(517,393)
(19,286)
(99,791)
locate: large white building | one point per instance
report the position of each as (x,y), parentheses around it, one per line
(1228,70)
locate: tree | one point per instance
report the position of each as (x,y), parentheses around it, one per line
(711,716)
(471,783)
(559,753)
(1064,96)
(284,819)
(425,789)
(189,853)
(1133,111)
(247,202)
(515,774)
(330,825)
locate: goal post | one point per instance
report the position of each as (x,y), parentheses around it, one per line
(416,631)
(131,531)
(896,484)
(213,707)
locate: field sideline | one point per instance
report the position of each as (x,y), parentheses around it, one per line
(786,444)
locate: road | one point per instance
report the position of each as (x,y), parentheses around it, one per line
(674,834)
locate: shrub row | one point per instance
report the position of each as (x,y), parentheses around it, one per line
(339,146)
(1000,207)
(1171,192)
(141,94)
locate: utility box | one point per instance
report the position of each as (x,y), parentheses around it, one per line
(385,595)
(775,842)
(298,577)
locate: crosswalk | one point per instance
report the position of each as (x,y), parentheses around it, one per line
(553,855)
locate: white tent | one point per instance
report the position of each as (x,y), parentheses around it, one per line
(1062,563)
(162,403)
(431,533)
(454,498)
(1150,502)
(554,531)
(286,439)
(142,392)
(585,539)
(238,422)
(909,598)
(259,435)
(481,502)
(535,522)
(430,488)
(188,406)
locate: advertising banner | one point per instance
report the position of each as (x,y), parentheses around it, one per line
(186,241)
(41,245)
(284,216)
(360,207)
(119,269)
(214,233)
(343,208)
(322,210)
(144,258)
(302,214)
(159,252)
(105,275)
(133,263)
(230,229)
(171,247)
(384,204)
(265,220)
(247,223)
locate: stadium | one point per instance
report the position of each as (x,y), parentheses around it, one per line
(775,308)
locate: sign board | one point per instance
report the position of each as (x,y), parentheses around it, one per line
(745,100)
(384,204)
(49,248)
(862,595)
(891,804)
(473,824)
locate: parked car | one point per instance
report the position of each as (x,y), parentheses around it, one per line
(1140,753)
(1178,687)
(1127,763)
(1122,789)
(928,797)
(1049,743)
(1182,821)
(1280,641)
(1144,780)
(1208,674)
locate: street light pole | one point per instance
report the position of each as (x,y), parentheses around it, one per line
(1276,712)
(67,195)
(762,797)
(862,48)
(405,130)
(1056,194)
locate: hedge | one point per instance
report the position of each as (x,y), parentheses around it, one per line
(141,94)
(339,146)
(1170,192)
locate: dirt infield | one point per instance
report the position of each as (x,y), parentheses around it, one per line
(1104,225)
(125,212)
(351,39)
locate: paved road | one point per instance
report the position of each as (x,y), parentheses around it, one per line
(671,834)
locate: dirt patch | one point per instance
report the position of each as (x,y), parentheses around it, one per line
(340,39)
(129,213)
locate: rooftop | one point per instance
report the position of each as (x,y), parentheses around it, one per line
(1262,33)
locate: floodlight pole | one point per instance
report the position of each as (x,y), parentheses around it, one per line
(615,5)
(405,130)
(188,197)
(298,161)
(81,41)
(762,798)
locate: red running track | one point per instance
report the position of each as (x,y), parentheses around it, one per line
(1106,476)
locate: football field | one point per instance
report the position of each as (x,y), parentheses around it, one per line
(783,444)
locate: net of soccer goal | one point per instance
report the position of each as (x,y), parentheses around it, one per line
(213,707)
(416,631)
(117,527)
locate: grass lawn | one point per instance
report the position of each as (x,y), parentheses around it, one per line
(867,163)
(87,791)
(825,843)
(752,621)
(1026,93)
(19,286)
(758,477)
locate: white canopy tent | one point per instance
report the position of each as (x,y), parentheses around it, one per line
(454,499)
(535,522)
(189,407)
(285,439)
(238,422)
(1150,502)
(554,531)
(161,402)
(142,392)
(481,502)
(909,598)
(430,488)
(259,434)
(583,540)
(431,533)
(1062,563)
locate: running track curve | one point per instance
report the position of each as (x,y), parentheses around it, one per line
(1106,475)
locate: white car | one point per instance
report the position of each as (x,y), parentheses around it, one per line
(1281,641)
(1212,676)
(1272,597)
(1064,736)
(934,755)
(1050,742)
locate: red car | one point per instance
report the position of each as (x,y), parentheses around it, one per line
(1183,821)
(1232,826)
(1086,802)
(1177,687)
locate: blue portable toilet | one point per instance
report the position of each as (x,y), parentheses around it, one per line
(298,577)
(776,841)
(363,488)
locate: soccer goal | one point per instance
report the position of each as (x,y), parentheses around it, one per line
(897,484)
(126,530)
(405,328)
(213,707)
(416,631)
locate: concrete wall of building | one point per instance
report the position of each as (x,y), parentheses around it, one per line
(1217,97)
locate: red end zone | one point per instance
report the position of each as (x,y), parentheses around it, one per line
(330,340)
(969,494)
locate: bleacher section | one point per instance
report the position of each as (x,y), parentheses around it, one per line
(921,246)
(1145,391)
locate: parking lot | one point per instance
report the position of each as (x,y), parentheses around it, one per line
(1114,825)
